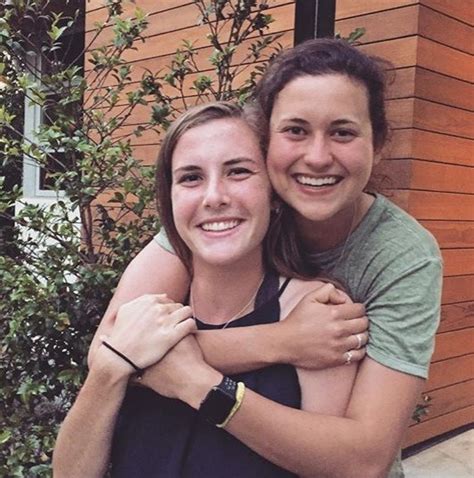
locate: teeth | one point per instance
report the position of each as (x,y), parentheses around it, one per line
(219,226)
(309,181)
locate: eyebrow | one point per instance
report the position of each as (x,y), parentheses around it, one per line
(300,121)
(230,162)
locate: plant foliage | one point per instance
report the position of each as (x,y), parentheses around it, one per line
(63,256)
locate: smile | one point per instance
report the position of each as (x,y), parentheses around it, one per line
(317,182)
(220,225)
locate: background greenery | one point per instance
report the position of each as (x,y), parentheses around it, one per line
(60,262)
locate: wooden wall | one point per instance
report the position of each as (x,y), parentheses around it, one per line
(431,167)
(170,22)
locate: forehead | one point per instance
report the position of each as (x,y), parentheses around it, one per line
(219,140)
(320,94)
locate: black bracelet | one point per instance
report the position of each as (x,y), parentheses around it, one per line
(124,357)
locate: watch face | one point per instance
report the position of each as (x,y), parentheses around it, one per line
(219,402)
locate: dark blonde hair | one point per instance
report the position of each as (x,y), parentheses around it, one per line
(280,246)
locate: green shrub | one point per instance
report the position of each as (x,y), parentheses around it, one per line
(60,262)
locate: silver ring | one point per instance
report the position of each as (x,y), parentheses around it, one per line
(359,341)
(348,356)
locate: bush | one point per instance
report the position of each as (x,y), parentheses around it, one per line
(61,261)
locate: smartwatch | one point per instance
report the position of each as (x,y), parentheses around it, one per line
(219,402)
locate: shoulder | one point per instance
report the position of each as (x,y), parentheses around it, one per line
(294,292)
(390,242)
(394,229)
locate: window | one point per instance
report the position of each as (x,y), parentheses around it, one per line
(37,182)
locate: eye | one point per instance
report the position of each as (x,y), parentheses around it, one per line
(240,173)
(344,135)
(189,179)
(294,130)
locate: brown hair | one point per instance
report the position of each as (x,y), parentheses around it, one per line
(324,56)
(281,247)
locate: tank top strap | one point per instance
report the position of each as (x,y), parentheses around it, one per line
(284,286)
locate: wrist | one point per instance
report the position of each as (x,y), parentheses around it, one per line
(198,388)
(277,345)
(111,367)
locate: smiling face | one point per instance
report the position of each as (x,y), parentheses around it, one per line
(321,149)
(220,192)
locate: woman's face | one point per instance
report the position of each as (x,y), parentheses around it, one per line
(321,154)
(220,192)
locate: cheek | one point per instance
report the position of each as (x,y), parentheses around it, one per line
(181,209)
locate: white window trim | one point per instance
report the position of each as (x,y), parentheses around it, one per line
(32,121)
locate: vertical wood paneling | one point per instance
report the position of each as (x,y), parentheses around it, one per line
(431,106)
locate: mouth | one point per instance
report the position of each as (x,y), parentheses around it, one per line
(220,226)
(320,182)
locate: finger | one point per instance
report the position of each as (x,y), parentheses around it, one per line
(180,315)
(357,341)
(163,299)
(353,356)
(350,311)
(358,355)
(356,326)
(337,297)
(170,308)
(185,327)
(322,294)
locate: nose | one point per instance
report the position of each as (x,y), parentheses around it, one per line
(318,153)
(216,194)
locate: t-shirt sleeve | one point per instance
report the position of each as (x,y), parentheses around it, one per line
(162,240)
(404,313)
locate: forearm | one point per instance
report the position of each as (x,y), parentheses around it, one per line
(84,441)
(305,443)
(242,349)
(362,443)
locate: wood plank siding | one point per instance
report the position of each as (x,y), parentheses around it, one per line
(429,160)
(430,166)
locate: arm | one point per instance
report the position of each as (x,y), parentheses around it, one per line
(365,441)
(362,443)
(315,334)
(84,441)
(152,271)
(320,333)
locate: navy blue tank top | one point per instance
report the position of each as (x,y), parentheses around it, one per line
(165,438)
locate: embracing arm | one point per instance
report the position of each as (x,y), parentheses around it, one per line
(319,333)
(362,443)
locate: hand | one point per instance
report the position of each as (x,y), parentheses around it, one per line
(147,327)
(182,374)
(322,328)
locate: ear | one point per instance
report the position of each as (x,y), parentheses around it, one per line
(276,204)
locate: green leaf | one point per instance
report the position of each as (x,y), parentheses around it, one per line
(5,436)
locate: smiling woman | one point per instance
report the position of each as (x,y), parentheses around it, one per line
(220,192)
(320,159)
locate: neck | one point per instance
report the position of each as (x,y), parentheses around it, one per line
(220,294)
(321,236)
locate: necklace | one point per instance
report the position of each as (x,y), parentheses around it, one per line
(241,311)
